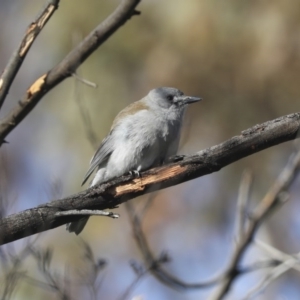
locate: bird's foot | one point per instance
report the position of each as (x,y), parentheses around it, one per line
(135,174)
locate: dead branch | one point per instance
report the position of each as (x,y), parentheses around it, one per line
(109,195)
(67,66)
(20,53)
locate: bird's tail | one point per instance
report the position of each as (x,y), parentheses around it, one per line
(77,226)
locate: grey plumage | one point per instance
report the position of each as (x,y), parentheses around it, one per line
(143,135)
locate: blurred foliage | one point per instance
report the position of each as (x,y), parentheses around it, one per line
(242,57)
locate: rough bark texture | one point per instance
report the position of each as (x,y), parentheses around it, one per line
(119,190)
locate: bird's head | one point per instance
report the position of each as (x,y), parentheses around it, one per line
(167,97)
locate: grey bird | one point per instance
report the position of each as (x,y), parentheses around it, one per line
(145,134)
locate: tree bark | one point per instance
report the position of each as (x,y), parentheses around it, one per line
(109,195)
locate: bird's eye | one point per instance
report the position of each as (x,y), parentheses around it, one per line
(170,97)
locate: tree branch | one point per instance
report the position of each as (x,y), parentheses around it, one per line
(68,65)
(275,197)
(19,55)
(153,264)
(119,190)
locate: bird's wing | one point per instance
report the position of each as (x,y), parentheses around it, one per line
(107,145)
(101,155)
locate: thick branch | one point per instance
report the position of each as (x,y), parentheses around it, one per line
(111,194)
(68,65)
(19,55)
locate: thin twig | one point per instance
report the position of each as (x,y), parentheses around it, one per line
(284,181)
(147,205)
(53,279)
(243,199)
(95,267)
(68,65)
(133,285)
(13,271)
(162,275)
(87,212)
(272,200)
(85,81)
(39,283)
(275,253)
(86,119)
(151,261)
(271,276)
(19,54)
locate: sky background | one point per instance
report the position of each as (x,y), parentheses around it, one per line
(241,57)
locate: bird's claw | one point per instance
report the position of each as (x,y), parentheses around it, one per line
(135,173)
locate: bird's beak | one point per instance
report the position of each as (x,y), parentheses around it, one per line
(188,99)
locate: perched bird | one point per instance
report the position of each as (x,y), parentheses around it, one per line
(143,135)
